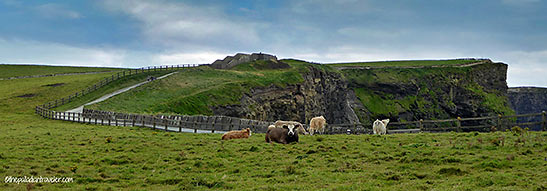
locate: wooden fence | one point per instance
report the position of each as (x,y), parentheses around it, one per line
(219,124)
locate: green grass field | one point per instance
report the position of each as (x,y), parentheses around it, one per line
(408,63)
(132,158)
(30,70)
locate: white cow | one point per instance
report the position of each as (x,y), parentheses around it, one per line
(380,127)
(317,124)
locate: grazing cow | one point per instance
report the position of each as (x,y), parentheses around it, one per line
(317,124)
(243,134)
(380,127)
(283,135)
(298,126)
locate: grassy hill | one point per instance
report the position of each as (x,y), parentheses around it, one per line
(407,63)
(31,70)
(132,158)
(193,90)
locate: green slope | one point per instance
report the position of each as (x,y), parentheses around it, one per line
(30,70)
(193,90)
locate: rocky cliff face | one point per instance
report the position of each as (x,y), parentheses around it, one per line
(323,92)
(428,93)
(528,100)
(239,58)
(363,95)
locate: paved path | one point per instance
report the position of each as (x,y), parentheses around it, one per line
(105,97)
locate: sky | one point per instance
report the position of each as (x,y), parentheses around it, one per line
(137,33)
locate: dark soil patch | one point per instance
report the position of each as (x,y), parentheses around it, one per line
(54,85)
(27,95)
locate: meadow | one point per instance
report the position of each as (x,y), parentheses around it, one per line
(133,158)
(406,63)
(7,70)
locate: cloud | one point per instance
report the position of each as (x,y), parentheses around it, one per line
(54,11)
(34,52)
(176,24)
(187,58)
(526,68)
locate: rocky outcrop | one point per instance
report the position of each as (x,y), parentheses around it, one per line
(321,93)
(239,58)
(410,94)
(528,100)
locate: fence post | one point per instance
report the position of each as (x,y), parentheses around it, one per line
(421,125)
(154,121)
(500,126)
(459,124)
(180,125)
(544,116)
(165,123)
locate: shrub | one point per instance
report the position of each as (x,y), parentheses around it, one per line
(253,149)
(108,139)
(74,168)
(451,171)
(516,130)
(290,169)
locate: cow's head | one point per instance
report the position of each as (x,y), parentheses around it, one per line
(290,127)
(248,131)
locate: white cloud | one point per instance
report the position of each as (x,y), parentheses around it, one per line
(54,11)
(526,68)
(176,24)
(187,58)
(34,52)
(47,53)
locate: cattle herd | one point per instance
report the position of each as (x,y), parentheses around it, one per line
(285,132)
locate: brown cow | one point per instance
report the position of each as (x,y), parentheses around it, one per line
(243,134)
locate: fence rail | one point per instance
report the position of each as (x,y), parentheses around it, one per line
(219,124)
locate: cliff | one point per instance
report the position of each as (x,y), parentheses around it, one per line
(410,94)
(239,58)
(270,90)
(528,100)
(322,92)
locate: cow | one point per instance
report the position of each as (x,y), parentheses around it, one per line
(284,135)
(380,127)
(243,134)
(317,124)
(298,126)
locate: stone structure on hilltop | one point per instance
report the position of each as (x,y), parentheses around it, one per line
(231,61)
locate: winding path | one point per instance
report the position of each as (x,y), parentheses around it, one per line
(105,97)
